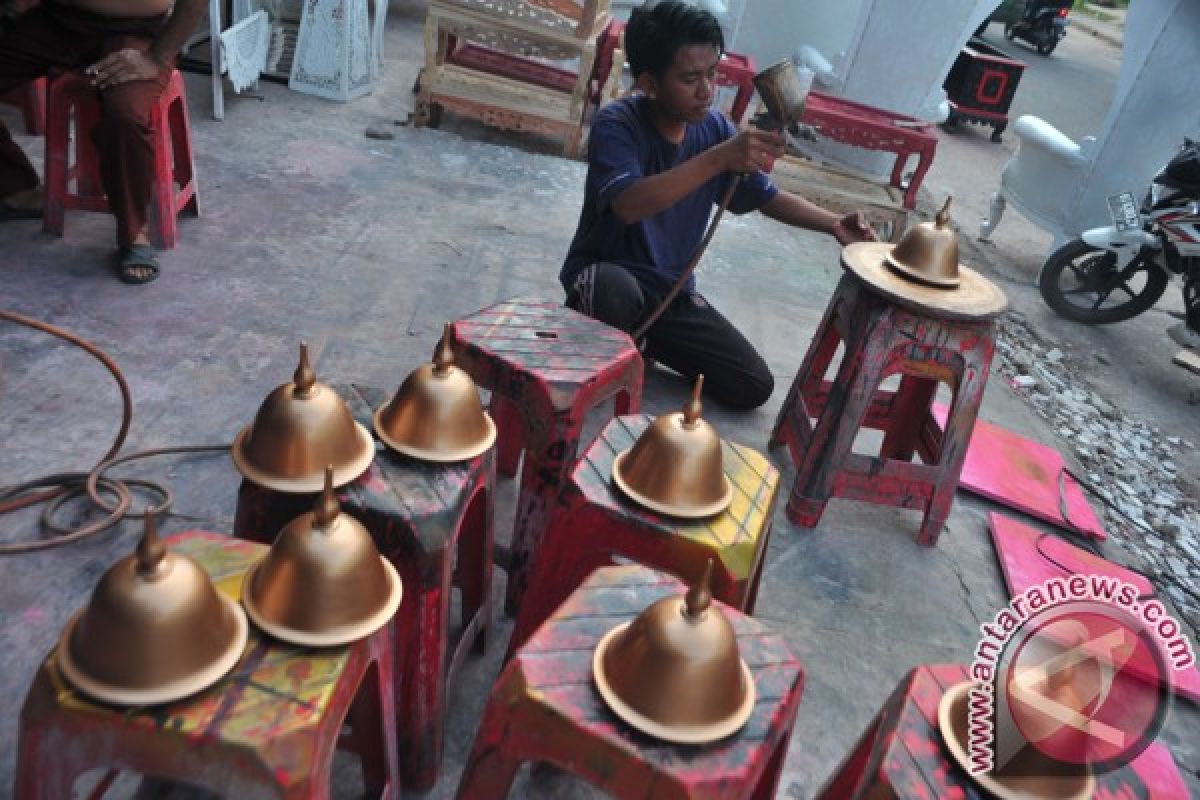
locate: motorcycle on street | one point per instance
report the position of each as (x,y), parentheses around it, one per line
(1114,273)
(1043,23)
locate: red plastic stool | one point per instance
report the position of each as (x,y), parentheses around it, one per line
(433,522)
(902,755)
(594,521)
(547,366)
(268,729)
(882,339)
(72,95)
(31,100)
(544,707)
(732,70)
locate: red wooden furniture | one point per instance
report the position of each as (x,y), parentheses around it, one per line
(981,85)
(72,95)
(737,70)
(433,522)
(31,100)
(876,129)
(268,729)
(545,708)
(507,65)
(494,86)
(901,754)
(882,339)
(732,70)
(594,521)
(547,366)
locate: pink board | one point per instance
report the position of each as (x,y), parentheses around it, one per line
(1024,565)
(1022,474)
(1157,769)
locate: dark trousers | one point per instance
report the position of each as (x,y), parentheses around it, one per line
(52,36)
(691,337)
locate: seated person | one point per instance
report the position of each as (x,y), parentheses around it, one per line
(128,47)
(658,162)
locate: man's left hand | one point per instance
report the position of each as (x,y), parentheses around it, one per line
(123,66)
(853,228)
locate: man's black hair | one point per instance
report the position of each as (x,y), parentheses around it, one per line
(654,36)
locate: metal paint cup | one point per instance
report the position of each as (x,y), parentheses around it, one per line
(784,90)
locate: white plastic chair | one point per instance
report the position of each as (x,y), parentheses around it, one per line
(1042,178)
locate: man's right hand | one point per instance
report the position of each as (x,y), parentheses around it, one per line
(752,150)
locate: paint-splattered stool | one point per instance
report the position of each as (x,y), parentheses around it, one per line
(547,367)
(594,521)
(268,729)
(73,95)
(30,100)
(901,755)
(545,708)
(433,522)
(883,338)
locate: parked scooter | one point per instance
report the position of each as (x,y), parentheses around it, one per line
(1043,23)
(1115,273)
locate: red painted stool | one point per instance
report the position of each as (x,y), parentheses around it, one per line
(547,366)
(31,100)
(883,338)
(433,522)
(544,707)
(268,729)
(901,756)
(594,521)
(732,70)
(72,95)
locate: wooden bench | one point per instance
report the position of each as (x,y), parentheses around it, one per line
(843,193)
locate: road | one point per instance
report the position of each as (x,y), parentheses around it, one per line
(1128,363)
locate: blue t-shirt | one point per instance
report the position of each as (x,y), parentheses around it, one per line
(624,146)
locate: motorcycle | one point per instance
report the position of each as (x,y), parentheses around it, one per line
(1042,24)
(1114,273)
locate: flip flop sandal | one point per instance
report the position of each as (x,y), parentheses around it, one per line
(139,264)
(8,213)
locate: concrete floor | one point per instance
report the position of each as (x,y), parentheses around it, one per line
(364,248)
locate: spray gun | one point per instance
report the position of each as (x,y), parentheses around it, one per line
(784,90)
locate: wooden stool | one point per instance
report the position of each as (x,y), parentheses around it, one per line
(733,69)
(72,94)
(31,100)
(544,707)
(425,519)
(881,339)
(901,754)
(594,521)
(268,729)
(547,366)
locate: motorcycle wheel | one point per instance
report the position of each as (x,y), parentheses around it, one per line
(1045,48)
(1079,282)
